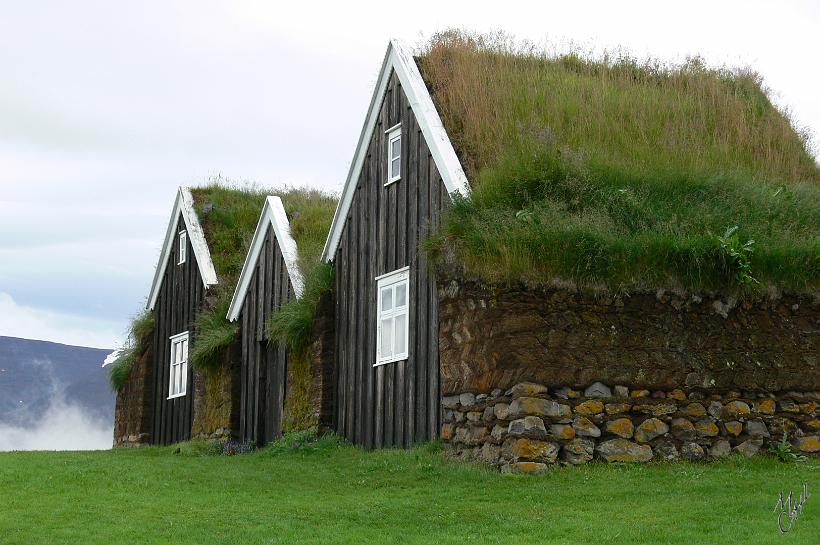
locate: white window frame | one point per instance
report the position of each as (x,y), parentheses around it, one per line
(178,368)
(183,247)
(392,279)
(393,134)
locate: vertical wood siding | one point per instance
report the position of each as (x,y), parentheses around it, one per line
(395,404)
(263,369)
(180,299)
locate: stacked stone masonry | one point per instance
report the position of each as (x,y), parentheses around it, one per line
(529,426)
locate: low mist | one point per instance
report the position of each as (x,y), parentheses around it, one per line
(62,427)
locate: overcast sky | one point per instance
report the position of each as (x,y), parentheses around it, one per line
(106,107)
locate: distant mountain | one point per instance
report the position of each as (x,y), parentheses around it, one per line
(34,375)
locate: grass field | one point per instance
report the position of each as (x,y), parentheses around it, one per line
(330,493)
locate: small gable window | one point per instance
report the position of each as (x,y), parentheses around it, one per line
(183,247)
(392,335)
(178,380)
(393,154)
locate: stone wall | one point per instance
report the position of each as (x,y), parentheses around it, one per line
(134,410)
(529,426)
(495,338)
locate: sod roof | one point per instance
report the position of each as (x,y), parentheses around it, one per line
(625,173)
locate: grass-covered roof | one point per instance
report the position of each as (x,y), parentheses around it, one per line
(618,172)
(229,214)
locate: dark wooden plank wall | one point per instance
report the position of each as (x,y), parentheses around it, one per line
(263,368)
(179,300)
(395,404)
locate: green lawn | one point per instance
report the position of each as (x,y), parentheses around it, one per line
(327,493)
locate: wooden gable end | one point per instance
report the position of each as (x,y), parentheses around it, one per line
(396,404)
(180,296)
(264,366)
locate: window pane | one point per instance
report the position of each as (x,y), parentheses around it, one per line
(185,350)
(395,148)
(387,299)
(400,322)
(173,381)
(395,168)
(183,377)
(401,294)
(386,348)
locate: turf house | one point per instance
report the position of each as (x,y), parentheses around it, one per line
(544,259)
(538,259)
(185,370)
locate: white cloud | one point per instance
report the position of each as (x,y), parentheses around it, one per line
(34,323)
(62,427)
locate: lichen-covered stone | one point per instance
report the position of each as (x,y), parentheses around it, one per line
(474,416)
(489,414)
(749,448)
(524,468)
(733,427)
(683,429)
(598,390)
(590,407)
(734,409)
(706,428)
(657,409)
(621,391)
(808,407)
(525,406)
(622,427)
(499,433)
(695,410)
(466,399)
(720,449)
(501,410)
(450,402)
(489,453)
(677,394)
(529,426)
(621,450)
(692,452)
(617,408)
(447,431)
(715,409)
(528,389)
(666,451)
(567,393)
(639,393)
(578,451)
(584,427)
(516,449)
(813,425)
(788,406)
(562,431)
(650,429)
(470,435)
(809,443)
(756,428)
(765,406)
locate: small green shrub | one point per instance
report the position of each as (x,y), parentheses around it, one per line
(292,324)
(783,451)
(214,334)
(740,255)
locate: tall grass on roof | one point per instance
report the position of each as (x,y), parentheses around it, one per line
(618,172)
(140,332)
(229,213)
(310,213)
